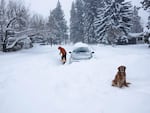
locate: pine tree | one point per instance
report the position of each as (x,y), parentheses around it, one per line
(58,24)
(148,23)
(145,4)
(99,23)
(80,28)
(113,22)
(76,22)
(90,7)
(37,22)
(73,24)
(136,24)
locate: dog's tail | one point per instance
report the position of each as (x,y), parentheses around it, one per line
(128,83)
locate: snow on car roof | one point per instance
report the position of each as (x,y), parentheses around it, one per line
(80,44)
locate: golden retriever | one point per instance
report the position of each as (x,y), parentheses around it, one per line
(120,78)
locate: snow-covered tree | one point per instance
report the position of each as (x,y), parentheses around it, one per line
(37,22)
(18,14)
(73,23)
(58,24)
(2,21)
(136,24)
(76,22)
(115,21)
(13,17)
(90,13)
(146,4)
(80,22)
(148,23)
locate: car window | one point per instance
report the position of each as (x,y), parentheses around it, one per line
(81,49)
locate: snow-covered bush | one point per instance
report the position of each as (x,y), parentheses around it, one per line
(17,43)
(122,40)
(26,43)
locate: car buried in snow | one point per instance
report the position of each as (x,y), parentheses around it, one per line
(80,52)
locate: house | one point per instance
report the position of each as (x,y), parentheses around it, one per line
(135,38)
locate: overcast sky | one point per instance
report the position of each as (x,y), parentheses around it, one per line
(43,7)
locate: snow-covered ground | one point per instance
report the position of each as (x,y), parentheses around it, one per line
(34,81)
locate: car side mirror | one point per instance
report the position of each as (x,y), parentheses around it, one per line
(69,51)
(93,52)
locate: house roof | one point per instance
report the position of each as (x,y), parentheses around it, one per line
(135,35)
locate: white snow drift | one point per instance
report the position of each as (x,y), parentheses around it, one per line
(34,81)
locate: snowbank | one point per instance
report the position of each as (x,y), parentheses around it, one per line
(35,81)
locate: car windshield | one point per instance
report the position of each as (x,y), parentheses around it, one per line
(81,49)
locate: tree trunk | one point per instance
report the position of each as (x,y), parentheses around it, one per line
(4,47)
(4,42)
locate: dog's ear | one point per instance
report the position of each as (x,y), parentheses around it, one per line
(124,67)
(119,68)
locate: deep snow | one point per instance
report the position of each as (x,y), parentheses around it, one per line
(34,81)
